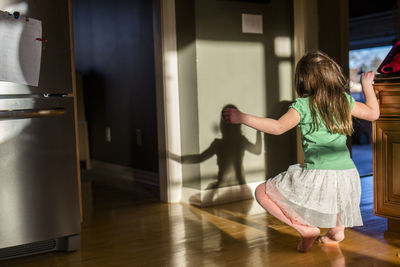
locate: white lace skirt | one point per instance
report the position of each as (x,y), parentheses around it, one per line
(322,198)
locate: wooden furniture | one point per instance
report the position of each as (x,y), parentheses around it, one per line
(386,151)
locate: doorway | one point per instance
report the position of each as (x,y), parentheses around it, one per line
(114,58)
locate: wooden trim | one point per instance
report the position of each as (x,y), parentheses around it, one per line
(385,132)
(388,95)
(386,86)
(73,76)
(167,95)
(374,167)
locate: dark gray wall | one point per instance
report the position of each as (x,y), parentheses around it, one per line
(114,51)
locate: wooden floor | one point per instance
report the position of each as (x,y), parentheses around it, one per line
(136,230)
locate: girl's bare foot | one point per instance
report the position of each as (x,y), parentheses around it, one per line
(308,236)
(333,236)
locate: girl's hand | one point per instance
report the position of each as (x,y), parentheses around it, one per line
(370,109)
(367,78)
(232,115)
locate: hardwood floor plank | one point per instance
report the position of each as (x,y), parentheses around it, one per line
(134,229)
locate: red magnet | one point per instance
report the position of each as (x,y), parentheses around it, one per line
(42,40)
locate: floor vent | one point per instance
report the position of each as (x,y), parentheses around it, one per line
(27,249)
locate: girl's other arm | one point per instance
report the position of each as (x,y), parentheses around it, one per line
(276,127)
(370,110)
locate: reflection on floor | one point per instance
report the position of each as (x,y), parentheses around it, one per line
(134,229)
(362,157)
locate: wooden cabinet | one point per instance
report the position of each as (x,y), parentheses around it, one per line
(386,146)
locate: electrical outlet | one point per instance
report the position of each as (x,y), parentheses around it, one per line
(108,134)
(139,137)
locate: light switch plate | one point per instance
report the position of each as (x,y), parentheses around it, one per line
(252,23)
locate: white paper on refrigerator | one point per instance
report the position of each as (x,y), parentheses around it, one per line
(20,49)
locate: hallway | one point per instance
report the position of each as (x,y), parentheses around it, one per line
(136,230)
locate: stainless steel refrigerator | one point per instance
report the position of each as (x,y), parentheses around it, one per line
(39,199)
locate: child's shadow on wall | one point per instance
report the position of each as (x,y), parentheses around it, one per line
(229,151)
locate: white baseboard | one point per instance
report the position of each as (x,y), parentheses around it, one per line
(123,173)
(209,197)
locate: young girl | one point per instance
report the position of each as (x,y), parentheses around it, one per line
(325,192)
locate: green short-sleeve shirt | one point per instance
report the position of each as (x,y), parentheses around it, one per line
(322,149)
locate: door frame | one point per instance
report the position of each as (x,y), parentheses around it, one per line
(167,100)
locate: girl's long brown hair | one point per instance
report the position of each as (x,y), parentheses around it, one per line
(321,79)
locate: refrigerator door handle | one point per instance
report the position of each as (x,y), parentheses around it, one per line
(31,113)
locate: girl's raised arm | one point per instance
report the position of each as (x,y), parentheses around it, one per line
(276,127)
(370,110)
